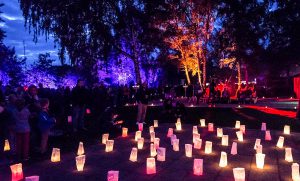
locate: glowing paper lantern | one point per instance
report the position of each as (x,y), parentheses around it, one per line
(237,124)
(268,136)
(133,155)
(32,178)
(195,136)
(260,160)
(170,132)
(156,142)
(257,142)
(152,137)
(176,145)
(161,154)
(140,125)
(178,126)
(208,147)
(113,175)
(16,172)
(105,138)
(202,122)
(138,134)
(109,146)
(188,150)
(219,132)
(178,120)
(151,129)
(124,132)
(55,156)
(263,126)
(223,159)
(287,129)
(151,167)
(155,123)
(225,140)
(80,150)
(152,150)
(280,142)
(239,174)
(173,137)
(69,119)
(259,149)
(234,148)
(140,143)
(240,136)
(80,161)
(210,127)
(195,130)
(295,172)
(243,129)
(288,155)
(198,167)
(198,143)
(6,145)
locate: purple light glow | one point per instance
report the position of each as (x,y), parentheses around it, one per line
(34,77)
(4,78)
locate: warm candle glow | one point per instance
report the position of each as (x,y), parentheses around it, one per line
(219,132)
(80,150)
(151,129)
(237,124)
(295,172)
(240,136)
(173,137)
(280,142)
(287,129)
(6,145)
(140,143)
(225,139)
(259,149)
(260,160)
(176,145)
(208,147)
(113,175)
(239,174)
(198,167)
(16,172)
(155,123)
(152,137)
(263,126)
(195,130)
(109,146)
(223,159)
(288,155)
(124,132)
(234,148)
(141,126)
(152,150)
(178,126)
(198,143)
(105,138)
(178,120)
(210,127)
(133,155)
(202,122)
(156,142)
(161,154)
(257,142)
(55,156)
(32,178)
(268,136)
(195,136)
(243,129)
(188,150)
(151,167)
(80,161)
(170,132)
(138,134)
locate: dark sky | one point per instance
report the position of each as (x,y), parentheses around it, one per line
(16,33)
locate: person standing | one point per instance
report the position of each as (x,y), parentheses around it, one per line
(142,97)
(79,100)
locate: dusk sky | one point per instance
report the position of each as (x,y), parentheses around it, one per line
(16,33)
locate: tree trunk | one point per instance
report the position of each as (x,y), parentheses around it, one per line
(238,66)
(199,70)
(204,68)
(246,75)
(135,58)
(187,75)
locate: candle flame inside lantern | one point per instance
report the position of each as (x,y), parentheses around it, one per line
(138,134)
(151,166)
(268,136)
(170,132)
(243,129)
(151,129)
(80,150)
(210,127)
(124,132)
(195,130)
(152,150)
(198,143)
(259,149)
(234,148)
(295,172)
(202,122)
(80,161)
(223,159)
(188,150)
(198,167)
(16,172)
(133,155)
(237,124)
(161,154)
(195,136)
(152,137)
(178,126)
(286,130)
(225,139)
(219,132)
(172,138)
(263,126)
(280,142)
(288,155)
(239,174)
(55,156)
(112,175)
(140,143)
(6,145)
(140,125)
(109,146)
(105,138)
(176,145)
(260,160)
(257,142)
(156,142)
(155,123)
(239,135)
(208,147)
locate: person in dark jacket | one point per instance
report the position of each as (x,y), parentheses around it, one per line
(79,99)
(142,97)
(45,123)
